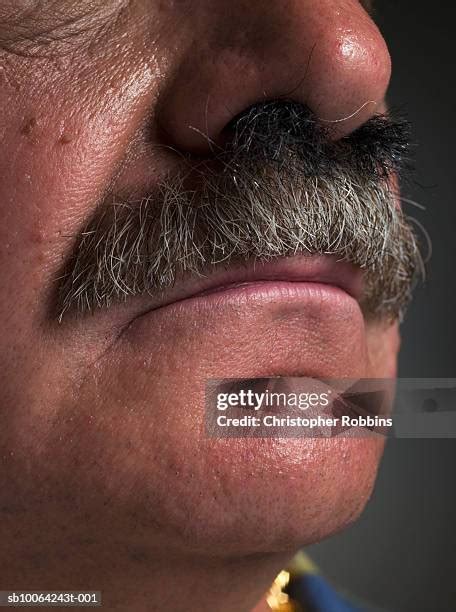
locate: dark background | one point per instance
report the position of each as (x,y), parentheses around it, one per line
(401,555)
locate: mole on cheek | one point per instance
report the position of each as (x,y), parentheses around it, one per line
(28,129)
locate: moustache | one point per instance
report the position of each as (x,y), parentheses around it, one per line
(279,187)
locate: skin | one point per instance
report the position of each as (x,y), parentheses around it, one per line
(108,481)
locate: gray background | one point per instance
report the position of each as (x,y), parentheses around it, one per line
(401,555)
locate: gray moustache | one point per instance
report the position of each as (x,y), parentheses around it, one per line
(277,191)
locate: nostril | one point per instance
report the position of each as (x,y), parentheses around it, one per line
(287,111)
(256,128)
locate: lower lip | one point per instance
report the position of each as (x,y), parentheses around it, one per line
(314,301)
(284,287)
(257,329)
(265,291)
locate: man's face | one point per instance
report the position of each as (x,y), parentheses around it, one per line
(134,103)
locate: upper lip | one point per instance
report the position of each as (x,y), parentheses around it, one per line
(323,269)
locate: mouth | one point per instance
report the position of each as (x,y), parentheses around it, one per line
(300,315)
(250,281)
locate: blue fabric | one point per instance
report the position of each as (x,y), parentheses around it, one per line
(315,594)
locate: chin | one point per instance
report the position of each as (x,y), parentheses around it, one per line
(273,496)
(175,491)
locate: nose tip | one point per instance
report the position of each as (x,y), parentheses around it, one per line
(326,54)
(350,77)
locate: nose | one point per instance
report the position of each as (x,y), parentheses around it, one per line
(326,54)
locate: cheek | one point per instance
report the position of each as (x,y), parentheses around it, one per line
(65,127)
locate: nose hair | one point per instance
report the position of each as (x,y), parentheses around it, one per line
(326,54)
